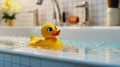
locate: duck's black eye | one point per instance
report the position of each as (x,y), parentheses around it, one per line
(49,29)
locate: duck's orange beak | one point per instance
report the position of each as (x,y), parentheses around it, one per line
(56,32)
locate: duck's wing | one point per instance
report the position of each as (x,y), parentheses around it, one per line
(35,38)
(34,41)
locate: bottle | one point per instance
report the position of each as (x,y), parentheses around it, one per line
(113,13)
(64,17)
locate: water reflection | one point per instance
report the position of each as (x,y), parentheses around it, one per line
(111,56)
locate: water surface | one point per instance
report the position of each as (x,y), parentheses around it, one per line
(95,51)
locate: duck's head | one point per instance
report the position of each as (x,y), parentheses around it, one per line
(49,30)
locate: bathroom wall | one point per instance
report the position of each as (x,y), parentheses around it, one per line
(97,9)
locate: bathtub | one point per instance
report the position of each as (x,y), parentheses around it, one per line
(46,58)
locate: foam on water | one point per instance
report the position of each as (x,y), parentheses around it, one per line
(23,42)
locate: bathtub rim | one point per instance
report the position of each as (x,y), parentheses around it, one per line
(84,33)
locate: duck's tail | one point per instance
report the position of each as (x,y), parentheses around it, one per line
(34,41)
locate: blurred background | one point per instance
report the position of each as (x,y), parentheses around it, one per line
(97,9)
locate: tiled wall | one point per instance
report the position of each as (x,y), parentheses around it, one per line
(97,9)
(16,60)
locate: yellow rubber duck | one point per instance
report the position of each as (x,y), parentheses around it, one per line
(49,32)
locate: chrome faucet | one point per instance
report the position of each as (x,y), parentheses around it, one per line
(56,7)
(86,18)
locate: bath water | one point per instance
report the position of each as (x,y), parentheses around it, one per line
(96,51)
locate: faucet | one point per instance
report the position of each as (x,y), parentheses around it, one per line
(86,18)
(56,7)
(36,16)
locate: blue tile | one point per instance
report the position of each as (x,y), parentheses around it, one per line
(7,58)
(1,63)
(68,65)
(25,66)
(50,63)
(7,64)
(1,56)
(15,59)
(15,65)
(34,62)
(25,60)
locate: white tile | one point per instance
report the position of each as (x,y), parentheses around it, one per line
(93,2)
